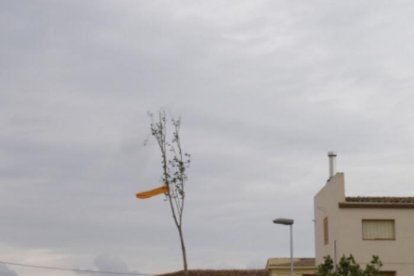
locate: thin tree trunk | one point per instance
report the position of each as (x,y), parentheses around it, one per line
(178,224)
(183,250)
(180,232)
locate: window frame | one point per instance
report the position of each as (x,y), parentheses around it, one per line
(378,239)
(326,231)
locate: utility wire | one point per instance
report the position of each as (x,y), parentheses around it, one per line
(74,269)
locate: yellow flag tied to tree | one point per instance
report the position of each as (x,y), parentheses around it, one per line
(150,193)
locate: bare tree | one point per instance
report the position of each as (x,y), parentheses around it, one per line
(174,164)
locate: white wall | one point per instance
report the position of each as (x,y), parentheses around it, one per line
(393,253)
(326,205)
(345,227)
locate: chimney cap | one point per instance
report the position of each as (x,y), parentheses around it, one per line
(331,154)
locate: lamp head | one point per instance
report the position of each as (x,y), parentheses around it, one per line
(284,221)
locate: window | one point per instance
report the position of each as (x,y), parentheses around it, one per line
(387,273)
(378,229)
(325,230)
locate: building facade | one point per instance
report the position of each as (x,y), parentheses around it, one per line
(281,266)
(363,227)
(222,272)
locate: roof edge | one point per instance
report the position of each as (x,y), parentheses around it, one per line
(376,205)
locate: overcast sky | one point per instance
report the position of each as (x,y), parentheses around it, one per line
(264,89)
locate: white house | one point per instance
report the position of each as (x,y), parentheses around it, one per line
(364,226)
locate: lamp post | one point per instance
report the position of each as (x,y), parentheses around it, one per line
(285,221)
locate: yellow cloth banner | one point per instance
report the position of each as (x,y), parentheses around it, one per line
(160,190)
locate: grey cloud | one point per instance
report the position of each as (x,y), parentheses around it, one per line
(264,90)
(5,271)
(110,264)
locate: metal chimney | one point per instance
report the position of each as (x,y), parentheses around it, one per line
(332,163)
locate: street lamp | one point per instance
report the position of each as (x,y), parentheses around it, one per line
(286,221)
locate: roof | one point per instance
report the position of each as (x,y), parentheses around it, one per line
(209,272)
(377,202)
(383,199)
(285,262)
